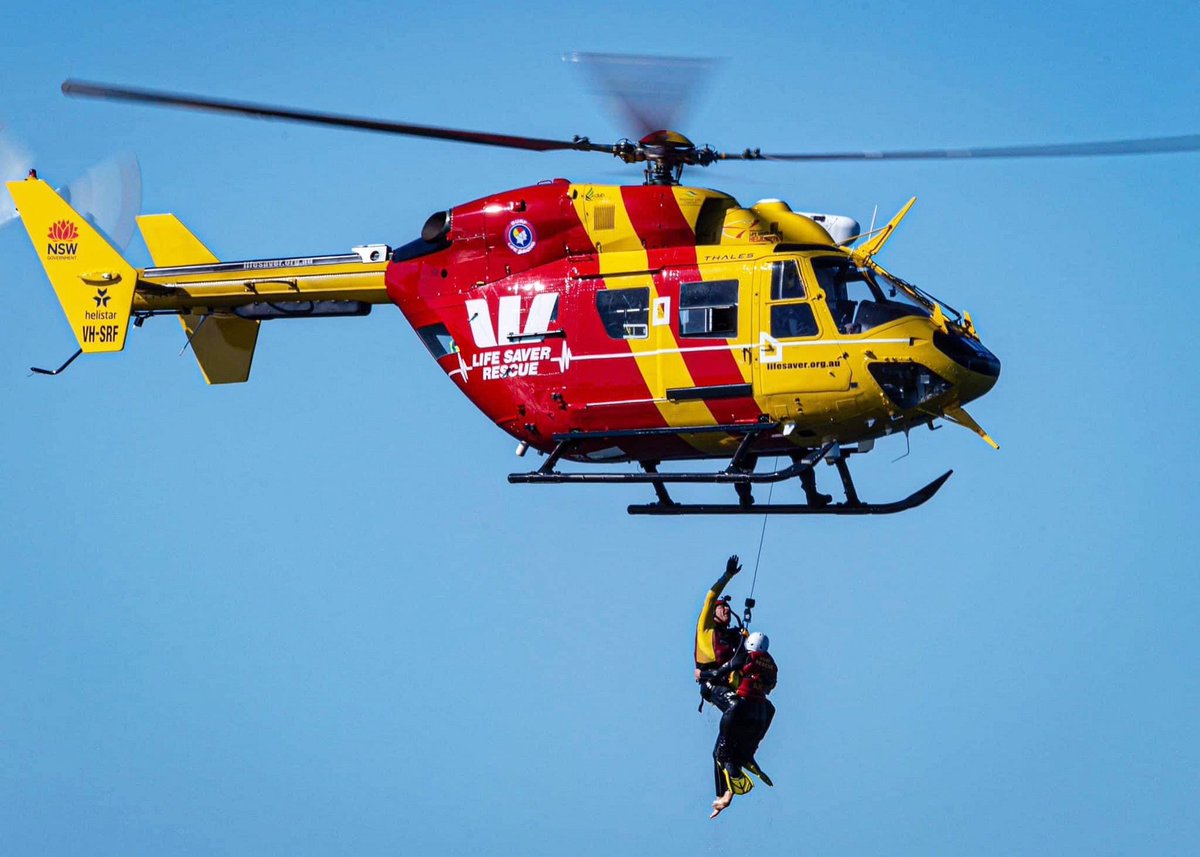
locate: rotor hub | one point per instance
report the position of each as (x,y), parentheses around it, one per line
(665,154)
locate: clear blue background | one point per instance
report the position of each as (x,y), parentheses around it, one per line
(307,615)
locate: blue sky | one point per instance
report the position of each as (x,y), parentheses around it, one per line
(308,615)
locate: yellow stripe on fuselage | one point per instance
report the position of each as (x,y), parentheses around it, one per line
(657,356)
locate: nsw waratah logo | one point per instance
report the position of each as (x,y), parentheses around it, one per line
(64,230)
(64,240)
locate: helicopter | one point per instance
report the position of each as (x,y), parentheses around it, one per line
(595,323)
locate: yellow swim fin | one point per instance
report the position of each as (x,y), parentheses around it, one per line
(752,767)
(739,785)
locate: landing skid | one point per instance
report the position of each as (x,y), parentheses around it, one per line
(739,473)
(859,508)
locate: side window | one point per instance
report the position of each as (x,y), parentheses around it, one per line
(438,340)
(708,309)
(785,281)
(846,288)
(625,312)
(792,320)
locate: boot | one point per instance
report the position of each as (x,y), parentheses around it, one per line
(808,481)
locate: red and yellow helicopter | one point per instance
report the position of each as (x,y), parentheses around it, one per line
(593,323)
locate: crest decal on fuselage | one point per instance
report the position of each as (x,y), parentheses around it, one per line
(520,236)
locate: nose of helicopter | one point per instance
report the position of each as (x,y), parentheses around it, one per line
(982,367)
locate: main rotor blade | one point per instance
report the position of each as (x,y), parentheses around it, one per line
(1141,146)
(84,89)
(651,92)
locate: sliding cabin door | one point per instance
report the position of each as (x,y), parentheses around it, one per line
(798,351)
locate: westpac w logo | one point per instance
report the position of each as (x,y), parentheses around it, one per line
(507,330)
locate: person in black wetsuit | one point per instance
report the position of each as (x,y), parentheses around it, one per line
(746,721)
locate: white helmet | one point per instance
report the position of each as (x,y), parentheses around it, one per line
(757,642)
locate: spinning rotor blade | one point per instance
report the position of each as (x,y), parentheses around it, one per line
(1141,146)
(15,162)
(262,111)
(110,196)
(650,92)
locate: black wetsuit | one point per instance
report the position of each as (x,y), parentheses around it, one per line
(746,717)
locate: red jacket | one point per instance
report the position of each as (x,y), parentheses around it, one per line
(758,676)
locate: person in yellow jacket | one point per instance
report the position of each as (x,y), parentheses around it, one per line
(716,641)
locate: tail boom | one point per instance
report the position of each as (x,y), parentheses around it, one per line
(220,304)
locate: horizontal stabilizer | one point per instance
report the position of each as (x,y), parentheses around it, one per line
(223,344)
(172,243)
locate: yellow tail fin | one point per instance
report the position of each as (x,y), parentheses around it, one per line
(93,281)
(223,344)
(171,243)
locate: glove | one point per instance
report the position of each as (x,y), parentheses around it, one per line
(732,567)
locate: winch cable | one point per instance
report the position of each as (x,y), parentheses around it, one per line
(744,620)
(762,535)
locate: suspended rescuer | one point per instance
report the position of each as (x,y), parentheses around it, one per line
(716,641)
(746,721)
(719,645)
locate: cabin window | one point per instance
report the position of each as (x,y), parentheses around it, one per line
(438,340)
(709,309)
(786,284)
(791,320)
(625,312)
(860,300)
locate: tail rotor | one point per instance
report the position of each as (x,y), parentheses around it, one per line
(108,195)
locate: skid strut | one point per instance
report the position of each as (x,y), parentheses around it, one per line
(848,508)
(740,472)
(566,443)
